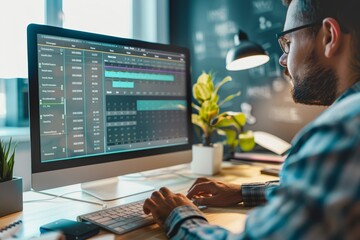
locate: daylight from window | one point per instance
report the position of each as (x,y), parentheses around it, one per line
(111,17)
(15,15)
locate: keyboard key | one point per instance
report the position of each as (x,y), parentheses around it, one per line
(120,219)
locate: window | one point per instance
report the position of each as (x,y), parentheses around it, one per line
(110,17)
(15,15)
(2,103)
(140,19)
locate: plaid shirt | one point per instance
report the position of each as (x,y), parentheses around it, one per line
(319,192)
(253,194)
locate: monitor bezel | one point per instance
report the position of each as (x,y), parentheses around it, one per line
(37,166)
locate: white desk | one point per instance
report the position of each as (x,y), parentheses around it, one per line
(38,213)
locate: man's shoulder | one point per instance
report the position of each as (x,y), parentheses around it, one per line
(343,114)
(341,111)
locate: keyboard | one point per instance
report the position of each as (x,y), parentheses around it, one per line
(120,219)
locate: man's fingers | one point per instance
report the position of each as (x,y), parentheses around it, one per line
(149,206)
(165,192)
(200,188)
(157,196)
(202,195)
(206,201)
(199,180)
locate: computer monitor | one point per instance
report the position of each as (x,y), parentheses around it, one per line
(103,106)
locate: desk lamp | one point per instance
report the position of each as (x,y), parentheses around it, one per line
(245,54)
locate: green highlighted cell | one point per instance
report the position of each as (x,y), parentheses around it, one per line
(119,84)
(158,105)
(140,76)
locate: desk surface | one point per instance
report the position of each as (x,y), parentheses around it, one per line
(37,213)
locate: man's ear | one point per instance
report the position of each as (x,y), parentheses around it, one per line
(331,36)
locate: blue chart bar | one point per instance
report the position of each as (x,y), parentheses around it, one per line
(140,76)
(119,84)
(158,105)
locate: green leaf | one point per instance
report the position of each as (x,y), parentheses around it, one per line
(196,107)
(201,92)
(4,166)
(7,150)
(11,162)
(206,79)
(225,122)
(239,117)
(181,107)
(6,161)
(214,97)
(225,80)
(231,137)
(247,141)
(208,111)
(230,97)
(231,119)
(195,119)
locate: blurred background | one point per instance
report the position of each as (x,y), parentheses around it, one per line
(206,27)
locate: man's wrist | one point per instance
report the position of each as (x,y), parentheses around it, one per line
(253,194)
(240,194)
(177,216)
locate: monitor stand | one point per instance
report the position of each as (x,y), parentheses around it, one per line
(114,188)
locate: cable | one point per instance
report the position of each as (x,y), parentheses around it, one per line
(184,176)
(102,204)
(142,176)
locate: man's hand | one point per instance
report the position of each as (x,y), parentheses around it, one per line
(213,193)
(162,202)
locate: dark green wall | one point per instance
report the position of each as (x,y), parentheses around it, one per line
(207,28)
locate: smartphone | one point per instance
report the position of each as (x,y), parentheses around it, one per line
(71,229)
(270,171)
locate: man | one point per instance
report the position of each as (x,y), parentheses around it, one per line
(318,196)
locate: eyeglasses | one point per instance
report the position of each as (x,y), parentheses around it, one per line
(285,43)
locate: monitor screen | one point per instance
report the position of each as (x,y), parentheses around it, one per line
(104,104)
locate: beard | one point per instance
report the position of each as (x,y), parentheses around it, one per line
(318,86)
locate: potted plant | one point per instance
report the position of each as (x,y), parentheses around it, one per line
(10,187)
(207,157)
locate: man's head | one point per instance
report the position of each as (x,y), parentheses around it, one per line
(321,44)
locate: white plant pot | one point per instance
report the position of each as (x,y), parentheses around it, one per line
(206,160)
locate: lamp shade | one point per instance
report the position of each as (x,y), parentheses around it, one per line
(245,54)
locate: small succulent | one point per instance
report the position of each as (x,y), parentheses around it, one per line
(6,161)
(210,119)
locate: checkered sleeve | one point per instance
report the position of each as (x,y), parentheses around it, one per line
(319,194)
(187,216)
(253,194)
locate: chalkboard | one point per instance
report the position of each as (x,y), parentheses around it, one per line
(207,28)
